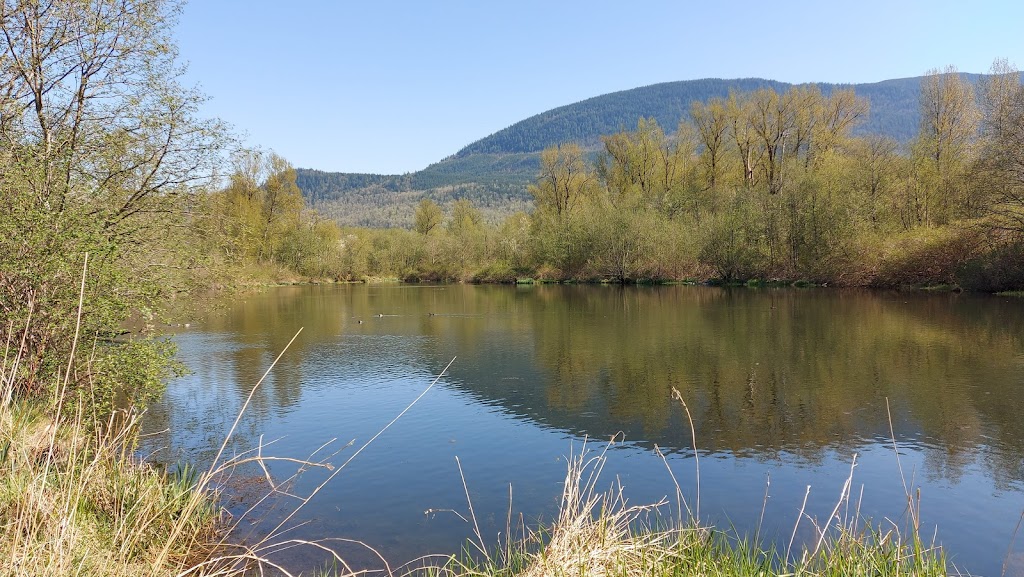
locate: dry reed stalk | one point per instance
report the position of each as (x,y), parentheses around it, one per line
(696,456)
(843,497)
(1009,550)
(896,451)
(799,516)
(596,533)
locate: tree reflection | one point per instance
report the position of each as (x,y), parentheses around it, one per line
(765,372)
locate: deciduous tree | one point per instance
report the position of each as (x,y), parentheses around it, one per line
(949,124)
(712,123)
(428,216)
(101,148)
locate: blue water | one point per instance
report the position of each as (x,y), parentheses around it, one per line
(785,387)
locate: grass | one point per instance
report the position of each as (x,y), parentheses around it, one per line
(598,534)
(75,501)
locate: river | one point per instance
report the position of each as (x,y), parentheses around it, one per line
(784,387)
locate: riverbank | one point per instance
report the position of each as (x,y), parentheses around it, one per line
(76,501)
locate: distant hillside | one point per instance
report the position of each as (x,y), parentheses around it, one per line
(585,122)
(494,171)
(894,112)
(496,183)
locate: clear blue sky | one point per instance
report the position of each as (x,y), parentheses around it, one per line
(390,86)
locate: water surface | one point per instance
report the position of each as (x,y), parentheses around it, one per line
(786,385)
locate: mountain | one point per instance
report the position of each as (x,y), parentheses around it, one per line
(494,171)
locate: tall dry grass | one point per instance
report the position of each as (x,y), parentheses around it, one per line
(597,533)
(74,499)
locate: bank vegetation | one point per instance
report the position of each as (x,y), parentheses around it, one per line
(758,186)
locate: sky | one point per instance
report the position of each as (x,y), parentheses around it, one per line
(391,86)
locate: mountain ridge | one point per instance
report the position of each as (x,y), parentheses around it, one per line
(495,170)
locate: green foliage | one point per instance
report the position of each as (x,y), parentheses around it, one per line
(100,162)
(428,216)
(730,241)
(312,247)
(260,218)
(926,256)
(997,269)
(130,374)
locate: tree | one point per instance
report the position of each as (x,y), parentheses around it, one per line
(281,205)
(427,217)
(739,111)
(629,165)
(1000,167)
(465,220)
(835,118)
(1000,91)
(772,120)
(312,247)
(712,122)
(565,189)
(260,207)
(101,152)
(514,241)
(564,181)
(949,123)
(873,172)
(807,102)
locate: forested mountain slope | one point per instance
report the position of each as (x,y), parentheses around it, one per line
(494,171)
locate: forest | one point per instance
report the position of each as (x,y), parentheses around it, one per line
(758,186)
(502,164)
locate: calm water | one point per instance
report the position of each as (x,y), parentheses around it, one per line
(786,384)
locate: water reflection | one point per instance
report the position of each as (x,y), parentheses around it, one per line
(762,371)
(780,381)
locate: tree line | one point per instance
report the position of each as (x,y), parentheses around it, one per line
(756,185)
